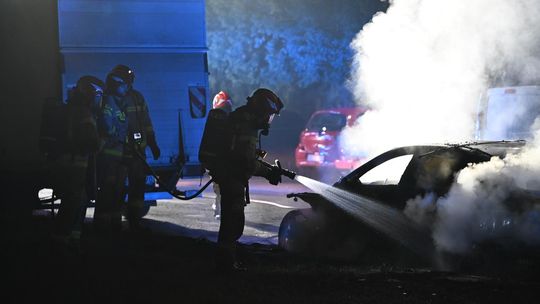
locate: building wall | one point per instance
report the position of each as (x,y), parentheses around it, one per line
(47,45)
(30,72)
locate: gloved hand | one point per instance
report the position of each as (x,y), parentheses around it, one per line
(274,175)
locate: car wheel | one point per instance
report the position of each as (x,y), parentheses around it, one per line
(297,231)
(145,210)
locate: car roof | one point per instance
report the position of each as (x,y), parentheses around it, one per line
(490,148)
(498,148)
(345,111)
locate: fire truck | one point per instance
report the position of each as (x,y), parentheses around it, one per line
(50,44)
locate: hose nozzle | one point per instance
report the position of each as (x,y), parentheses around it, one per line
(288,173)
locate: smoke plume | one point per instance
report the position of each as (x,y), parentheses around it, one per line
(422,67)
(496,201)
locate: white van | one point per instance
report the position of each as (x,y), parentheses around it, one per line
(508,113)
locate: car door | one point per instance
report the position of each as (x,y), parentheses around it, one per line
(379,178)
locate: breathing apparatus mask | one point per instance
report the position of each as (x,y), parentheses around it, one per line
(120,80)
(117,85)
(97,97)
(90,89)
(266,105)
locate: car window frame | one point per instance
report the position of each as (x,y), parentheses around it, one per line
(330,113)
(355,175)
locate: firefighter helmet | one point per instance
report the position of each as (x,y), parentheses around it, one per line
(265,103)
(124,72)
(90,87)
(120,76)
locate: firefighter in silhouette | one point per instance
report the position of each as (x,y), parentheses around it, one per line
(222,102)
(126,126)
(241,161)
(69,150)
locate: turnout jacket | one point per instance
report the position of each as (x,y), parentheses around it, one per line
(242,162)
(68,129)
(84,138)
(123,119)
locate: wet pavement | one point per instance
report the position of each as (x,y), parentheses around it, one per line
(160,268)
(174,262)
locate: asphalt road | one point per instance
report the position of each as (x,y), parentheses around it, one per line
(174,265)
(195,218)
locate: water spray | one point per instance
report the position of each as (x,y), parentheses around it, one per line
(390,221)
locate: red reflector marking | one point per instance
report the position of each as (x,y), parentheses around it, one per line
(510,91)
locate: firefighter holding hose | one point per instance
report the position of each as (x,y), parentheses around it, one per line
(127,131)
(229,150)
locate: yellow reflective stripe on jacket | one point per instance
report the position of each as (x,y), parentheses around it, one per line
(113,152)
(135,109)
(107,110)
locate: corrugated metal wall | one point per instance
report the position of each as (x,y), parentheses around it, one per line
(164,42)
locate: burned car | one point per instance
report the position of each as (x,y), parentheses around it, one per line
(370,212)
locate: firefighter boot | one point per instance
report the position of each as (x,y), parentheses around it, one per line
(226,261)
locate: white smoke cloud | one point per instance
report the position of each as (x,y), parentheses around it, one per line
(495,201)
(423,65)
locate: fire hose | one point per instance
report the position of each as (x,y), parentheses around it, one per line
(181,195)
